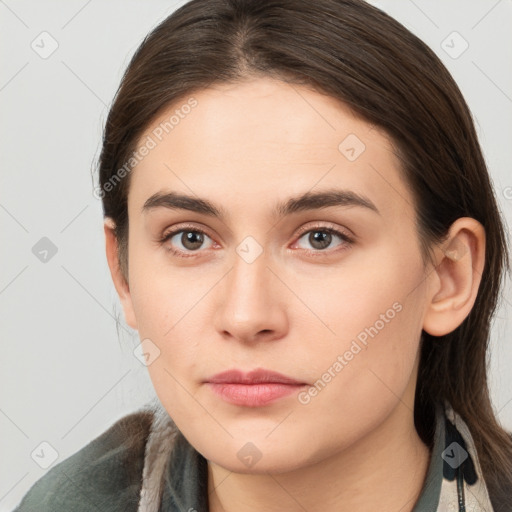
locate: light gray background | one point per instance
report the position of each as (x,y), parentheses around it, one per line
(65,373)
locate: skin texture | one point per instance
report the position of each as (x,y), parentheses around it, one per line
(246,147)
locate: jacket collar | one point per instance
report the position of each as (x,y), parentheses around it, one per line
(454,481)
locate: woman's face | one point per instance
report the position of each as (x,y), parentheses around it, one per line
(329,291)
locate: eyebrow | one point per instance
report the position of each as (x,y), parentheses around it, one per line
(304,202)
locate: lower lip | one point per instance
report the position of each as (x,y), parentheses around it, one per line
(253,395)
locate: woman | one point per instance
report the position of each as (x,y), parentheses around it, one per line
(300,225)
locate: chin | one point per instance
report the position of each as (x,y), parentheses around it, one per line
(270,464)
(261,456)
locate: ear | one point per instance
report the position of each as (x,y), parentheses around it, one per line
(457,274)
(122,287)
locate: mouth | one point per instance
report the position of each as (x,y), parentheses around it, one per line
(254,389)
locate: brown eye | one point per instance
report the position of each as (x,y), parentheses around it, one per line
(321,238)
(192,240)
(183,241)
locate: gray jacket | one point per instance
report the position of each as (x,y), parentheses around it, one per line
(142,463)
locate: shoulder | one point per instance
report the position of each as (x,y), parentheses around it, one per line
(105,475)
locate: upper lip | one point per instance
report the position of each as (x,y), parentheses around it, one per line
(257,376)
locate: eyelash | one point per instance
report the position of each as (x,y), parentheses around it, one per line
(348,241)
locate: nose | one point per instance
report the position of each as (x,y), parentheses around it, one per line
(251,305)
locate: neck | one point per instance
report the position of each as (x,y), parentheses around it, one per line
(385,470)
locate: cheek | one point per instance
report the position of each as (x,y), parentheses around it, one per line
(361,377)
(374,316)
(170,319)
(377,296)
(171,316)
(162,295)
(170,306)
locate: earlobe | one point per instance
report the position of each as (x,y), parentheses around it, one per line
(458,273)
(121,286)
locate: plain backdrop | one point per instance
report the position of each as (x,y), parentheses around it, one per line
(67,369)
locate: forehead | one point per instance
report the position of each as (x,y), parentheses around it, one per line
(264,138)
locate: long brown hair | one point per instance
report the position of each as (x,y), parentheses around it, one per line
(390,78)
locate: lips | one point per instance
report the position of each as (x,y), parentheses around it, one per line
(254,389)
(258,376)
